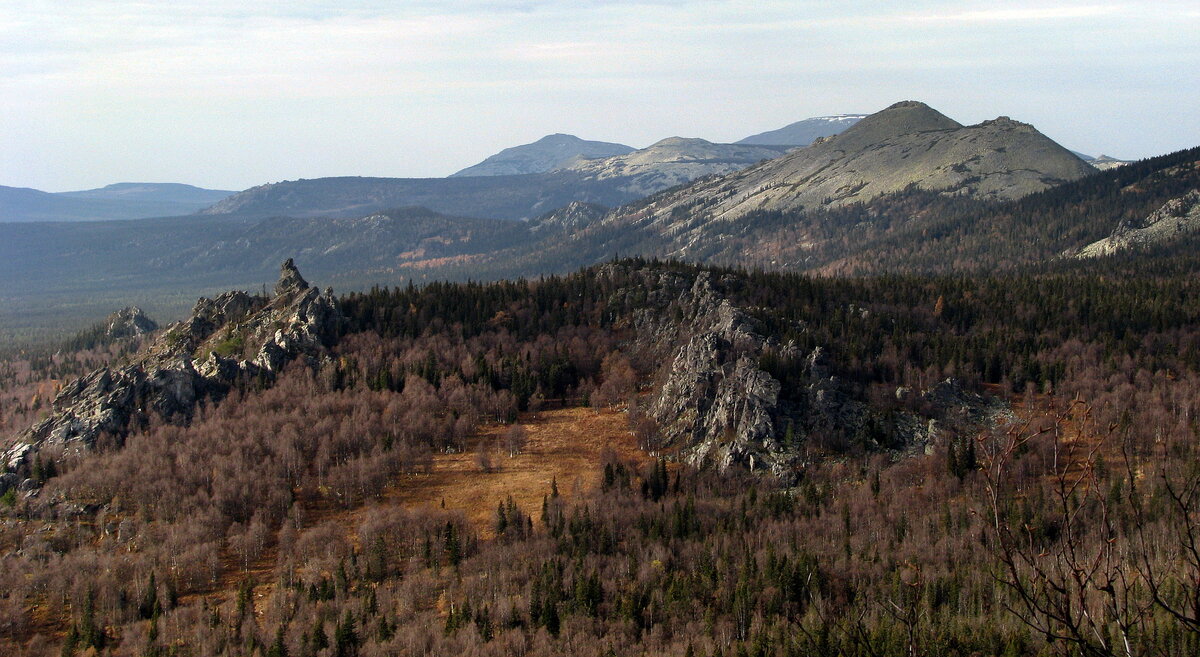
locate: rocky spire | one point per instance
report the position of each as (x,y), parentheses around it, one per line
(290,280)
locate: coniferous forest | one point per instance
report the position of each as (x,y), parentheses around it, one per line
(272,520)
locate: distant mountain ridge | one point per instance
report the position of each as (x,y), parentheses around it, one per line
(670,162)
(116,201)
(610,181)
(488,197)
(154,192)
(906,144)
(804,133)
(905,189)
(544,155)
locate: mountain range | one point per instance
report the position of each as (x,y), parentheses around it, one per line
(909,144)
(544,175)
(904,189)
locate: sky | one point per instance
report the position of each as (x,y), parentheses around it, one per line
(228,94)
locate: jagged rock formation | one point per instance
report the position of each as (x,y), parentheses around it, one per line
(717,405)
(803,133)
(128,322)
(906,144)
(546,154)
(233,338)
(712,399)
(1176,218)
(670,162)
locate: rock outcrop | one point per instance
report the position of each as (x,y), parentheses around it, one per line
(1176,218)
(712,399)
(574,216)
(234,338)
(128,322)
(716,404)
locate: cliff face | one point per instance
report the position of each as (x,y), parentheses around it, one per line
(711,398)
(234,337)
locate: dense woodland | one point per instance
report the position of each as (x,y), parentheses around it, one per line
(1071,531)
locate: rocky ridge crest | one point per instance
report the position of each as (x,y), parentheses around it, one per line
(233,338)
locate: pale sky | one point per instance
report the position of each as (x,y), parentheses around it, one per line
(224,95)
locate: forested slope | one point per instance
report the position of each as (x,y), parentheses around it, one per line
(997,538)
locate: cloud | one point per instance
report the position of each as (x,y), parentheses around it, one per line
(1014,14)
(447,82)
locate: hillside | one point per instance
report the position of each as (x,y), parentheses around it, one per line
(670,162)
(544,155)
(70,275)
(117,201)
(488,197)
(909,231)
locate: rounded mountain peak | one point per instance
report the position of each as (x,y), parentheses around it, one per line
(908,104)
(900,118)
(558,138)
(680,141)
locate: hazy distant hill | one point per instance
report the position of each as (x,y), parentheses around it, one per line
(175,193)
(492,197)
(117,201)
(72,274)
(906,189)
(803,133)
(546,154)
